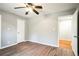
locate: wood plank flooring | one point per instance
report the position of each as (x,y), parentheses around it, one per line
(35,49)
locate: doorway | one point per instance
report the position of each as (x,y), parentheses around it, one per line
(65,31)
(70,34)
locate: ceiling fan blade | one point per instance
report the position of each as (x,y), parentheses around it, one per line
(26,13)
(31,4)
(39,7)
(36,11)
(19,7)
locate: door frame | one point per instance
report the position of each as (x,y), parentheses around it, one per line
(0,31)
(78,33)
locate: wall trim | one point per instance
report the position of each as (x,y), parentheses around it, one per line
(30,41)
(11,45)
(44,43)
(8,46)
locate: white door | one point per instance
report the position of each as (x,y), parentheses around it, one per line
(20,30)
(74,32)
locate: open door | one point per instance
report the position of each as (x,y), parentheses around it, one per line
(75,32)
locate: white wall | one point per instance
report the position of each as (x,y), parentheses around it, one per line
(44,30)
(9,26)
(8,29)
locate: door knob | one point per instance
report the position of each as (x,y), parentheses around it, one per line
(76,36)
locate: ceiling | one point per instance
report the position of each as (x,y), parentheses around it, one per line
(47,8)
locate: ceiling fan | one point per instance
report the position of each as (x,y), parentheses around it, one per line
(31,6)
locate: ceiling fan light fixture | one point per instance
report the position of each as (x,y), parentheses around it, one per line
(30,7)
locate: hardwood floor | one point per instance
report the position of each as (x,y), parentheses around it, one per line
(35,49)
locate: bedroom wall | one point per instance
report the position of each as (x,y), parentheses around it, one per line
(44,30)
(9,29)
(9,26)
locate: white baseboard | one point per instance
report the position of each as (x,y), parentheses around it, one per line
(44,43)
(8,46)
(30,41)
